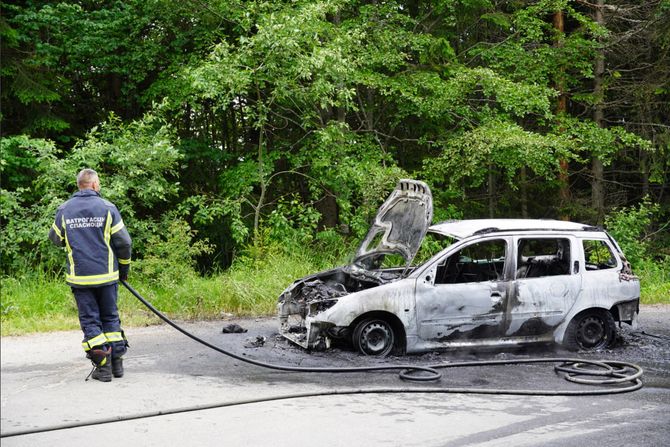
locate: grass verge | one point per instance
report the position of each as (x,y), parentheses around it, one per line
(33,303)
(655,282)
(38,304)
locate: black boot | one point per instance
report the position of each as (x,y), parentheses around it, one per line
(117,367)
(103,364)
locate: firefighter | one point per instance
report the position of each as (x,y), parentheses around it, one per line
(98,250)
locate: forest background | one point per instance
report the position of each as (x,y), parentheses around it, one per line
(248,143)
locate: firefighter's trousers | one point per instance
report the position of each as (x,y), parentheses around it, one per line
(99,318)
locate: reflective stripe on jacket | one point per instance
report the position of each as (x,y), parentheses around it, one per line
(95,238)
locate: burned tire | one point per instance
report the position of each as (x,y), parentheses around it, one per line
(374,336)
(590,330)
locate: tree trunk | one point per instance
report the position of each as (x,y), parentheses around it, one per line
(643,117)
(644,171)
(261,180)
(115,99)
(598,189)
(561,107)
(523,190)
(597,168)
(261,171)
(329,210)
(492,192)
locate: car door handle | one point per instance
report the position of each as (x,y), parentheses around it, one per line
(496,297)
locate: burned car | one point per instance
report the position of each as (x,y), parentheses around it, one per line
(489,282)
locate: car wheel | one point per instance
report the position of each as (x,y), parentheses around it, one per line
(590,331)
(374,337)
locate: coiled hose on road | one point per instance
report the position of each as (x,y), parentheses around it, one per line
(606,374)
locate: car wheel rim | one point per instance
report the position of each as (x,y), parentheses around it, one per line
(591,333)
(376,339)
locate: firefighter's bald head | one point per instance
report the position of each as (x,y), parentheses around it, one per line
(88,179)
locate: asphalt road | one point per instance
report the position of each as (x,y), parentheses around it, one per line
(42,385)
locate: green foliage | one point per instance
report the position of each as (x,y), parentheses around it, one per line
(67,65)
(205,210)
(134,162)
(586,139)
(31,303)
(170,253)
(23,205)
(531,53)
(634,228)
(654,280)
(354,169)
(254,287)
(17,162)
(630,226)
(431,245)
(139,158)
(504,145)
(293,222)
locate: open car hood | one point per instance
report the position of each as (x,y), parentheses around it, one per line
(401,223)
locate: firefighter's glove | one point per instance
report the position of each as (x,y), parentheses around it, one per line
(99,355)
(123,272)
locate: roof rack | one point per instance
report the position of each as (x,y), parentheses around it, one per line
(507,230)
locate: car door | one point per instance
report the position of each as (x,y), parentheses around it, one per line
(602,284)
(547,283)
(464,293)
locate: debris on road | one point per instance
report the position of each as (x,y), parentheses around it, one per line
(233,329)
(255,342)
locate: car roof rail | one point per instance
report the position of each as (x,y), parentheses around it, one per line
(489,230)
(522,230)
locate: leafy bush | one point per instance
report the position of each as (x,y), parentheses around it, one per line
(293,222)
(134,161)
(169,256)
(630,226)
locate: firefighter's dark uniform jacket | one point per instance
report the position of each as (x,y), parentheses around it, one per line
(96,240)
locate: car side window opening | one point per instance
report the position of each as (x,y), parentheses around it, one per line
(539,257)
(483,261)
(598,255)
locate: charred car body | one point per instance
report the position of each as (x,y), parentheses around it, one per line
(498,282)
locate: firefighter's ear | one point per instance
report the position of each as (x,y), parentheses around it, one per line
(96,185)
